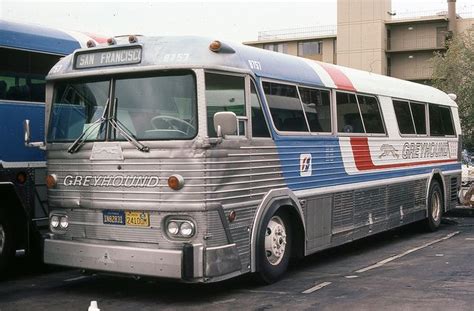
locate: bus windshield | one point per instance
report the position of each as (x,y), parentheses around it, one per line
(158,107)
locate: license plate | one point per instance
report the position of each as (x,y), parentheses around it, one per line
(137,219)
(126,218)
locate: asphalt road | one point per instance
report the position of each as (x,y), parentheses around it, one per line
(405,269)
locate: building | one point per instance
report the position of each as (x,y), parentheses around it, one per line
(370,37)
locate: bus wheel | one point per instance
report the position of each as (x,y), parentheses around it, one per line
(6,244)
(435,206)
(274,247)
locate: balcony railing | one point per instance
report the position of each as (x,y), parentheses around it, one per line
(298,33)
(418,43)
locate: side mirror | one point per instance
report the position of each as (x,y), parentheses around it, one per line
(225,123)
(27,137)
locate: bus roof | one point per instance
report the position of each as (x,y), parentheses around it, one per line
(39,39)
(193,52)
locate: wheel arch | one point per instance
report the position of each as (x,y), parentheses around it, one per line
(437,175)
(272,201)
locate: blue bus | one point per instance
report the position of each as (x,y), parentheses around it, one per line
(27,53)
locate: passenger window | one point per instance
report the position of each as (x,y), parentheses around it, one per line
(348,115)
(418,111)
(259,125)
(371,115)
(404,119)
(441,123)
(22,74)
(317,108)
(224,93)
(285,107)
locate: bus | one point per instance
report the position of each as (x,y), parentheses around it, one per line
(200,160)
(27,53)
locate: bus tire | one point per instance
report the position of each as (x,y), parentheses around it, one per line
(435,207)
(6,243)
(274,246)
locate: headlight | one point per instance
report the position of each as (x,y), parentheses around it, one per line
(186,229)
(54,221)
(180,228)
(64,222)
(173,228)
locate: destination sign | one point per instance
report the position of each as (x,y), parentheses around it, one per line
(109,57)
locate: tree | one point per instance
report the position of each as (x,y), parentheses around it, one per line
(453,72)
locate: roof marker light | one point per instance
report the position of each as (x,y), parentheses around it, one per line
(111,41)
(132,39)
(90,44)
(215,46)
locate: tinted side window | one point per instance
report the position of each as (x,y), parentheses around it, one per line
(404,120)
(316,105)
(285,107)
(348,116)
(369,108)
(223,93)
(22,74)
(259,126)
(441,123)
(418,111)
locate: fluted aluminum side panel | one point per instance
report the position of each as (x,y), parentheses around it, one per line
(239,175)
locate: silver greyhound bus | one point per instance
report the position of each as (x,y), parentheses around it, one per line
(201,160)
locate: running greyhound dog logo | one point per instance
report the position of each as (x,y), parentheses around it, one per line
(387,150)
(306,165)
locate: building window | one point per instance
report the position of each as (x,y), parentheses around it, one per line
(277,47)
(309,48)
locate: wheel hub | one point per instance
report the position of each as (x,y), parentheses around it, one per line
(435,206)
(275,240)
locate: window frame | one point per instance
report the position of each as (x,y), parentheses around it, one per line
(297,85)
(452,121)
(262,106)
(365,134)
(247,107)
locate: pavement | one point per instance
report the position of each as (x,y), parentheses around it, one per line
(403,269)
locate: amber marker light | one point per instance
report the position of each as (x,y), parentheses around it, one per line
(176,182)
(215,46)
(51,181)
(21,178)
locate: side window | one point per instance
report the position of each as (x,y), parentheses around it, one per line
(348,116)
(369,108)
(285,107)
(441,123)
(224,93)
(404,119)
(259,125)
(22,74)
(419,111)
(317,108)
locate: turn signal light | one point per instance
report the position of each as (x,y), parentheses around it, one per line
(51,181)
(176,182)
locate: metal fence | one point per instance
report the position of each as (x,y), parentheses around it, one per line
(298,33)
(464,12)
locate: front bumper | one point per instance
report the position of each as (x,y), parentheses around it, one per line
(192,263)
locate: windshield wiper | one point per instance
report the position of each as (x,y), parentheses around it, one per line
(79,142)
(128,135)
